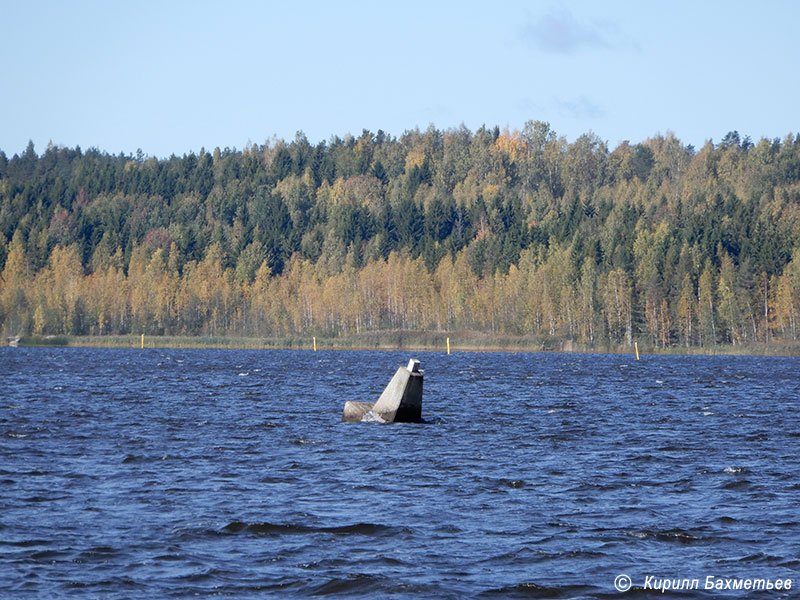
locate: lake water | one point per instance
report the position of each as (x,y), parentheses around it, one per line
(183,473)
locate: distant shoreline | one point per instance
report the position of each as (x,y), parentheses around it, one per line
(421,341)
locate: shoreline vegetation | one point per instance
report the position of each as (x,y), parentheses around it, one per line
(422,341)
(522,239)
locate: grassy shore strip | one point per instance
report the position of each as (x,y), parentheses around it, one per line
(463,341)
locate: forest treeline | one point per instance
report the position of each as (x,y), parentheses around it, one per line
(506,232)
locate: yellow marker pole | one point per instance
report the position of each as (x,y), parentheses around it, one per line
(142,341)
(315,343)
(636,347)
(448,346)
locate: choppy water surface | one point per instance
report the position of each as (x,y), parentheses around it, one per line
(177,473)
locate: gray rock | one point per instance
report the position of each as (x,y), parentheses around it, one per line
(355,411)
(400,402)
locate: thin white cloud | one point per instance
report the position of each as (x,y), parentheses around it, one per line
(579,108)
(558,31)
(529,105)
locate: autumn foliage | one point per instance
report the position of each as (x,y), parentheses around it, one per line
(512,233)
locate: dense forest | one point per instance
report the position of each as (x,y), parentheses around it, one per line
(504,232)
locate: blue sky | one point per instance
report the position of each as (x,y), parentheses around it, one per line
(172,77)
